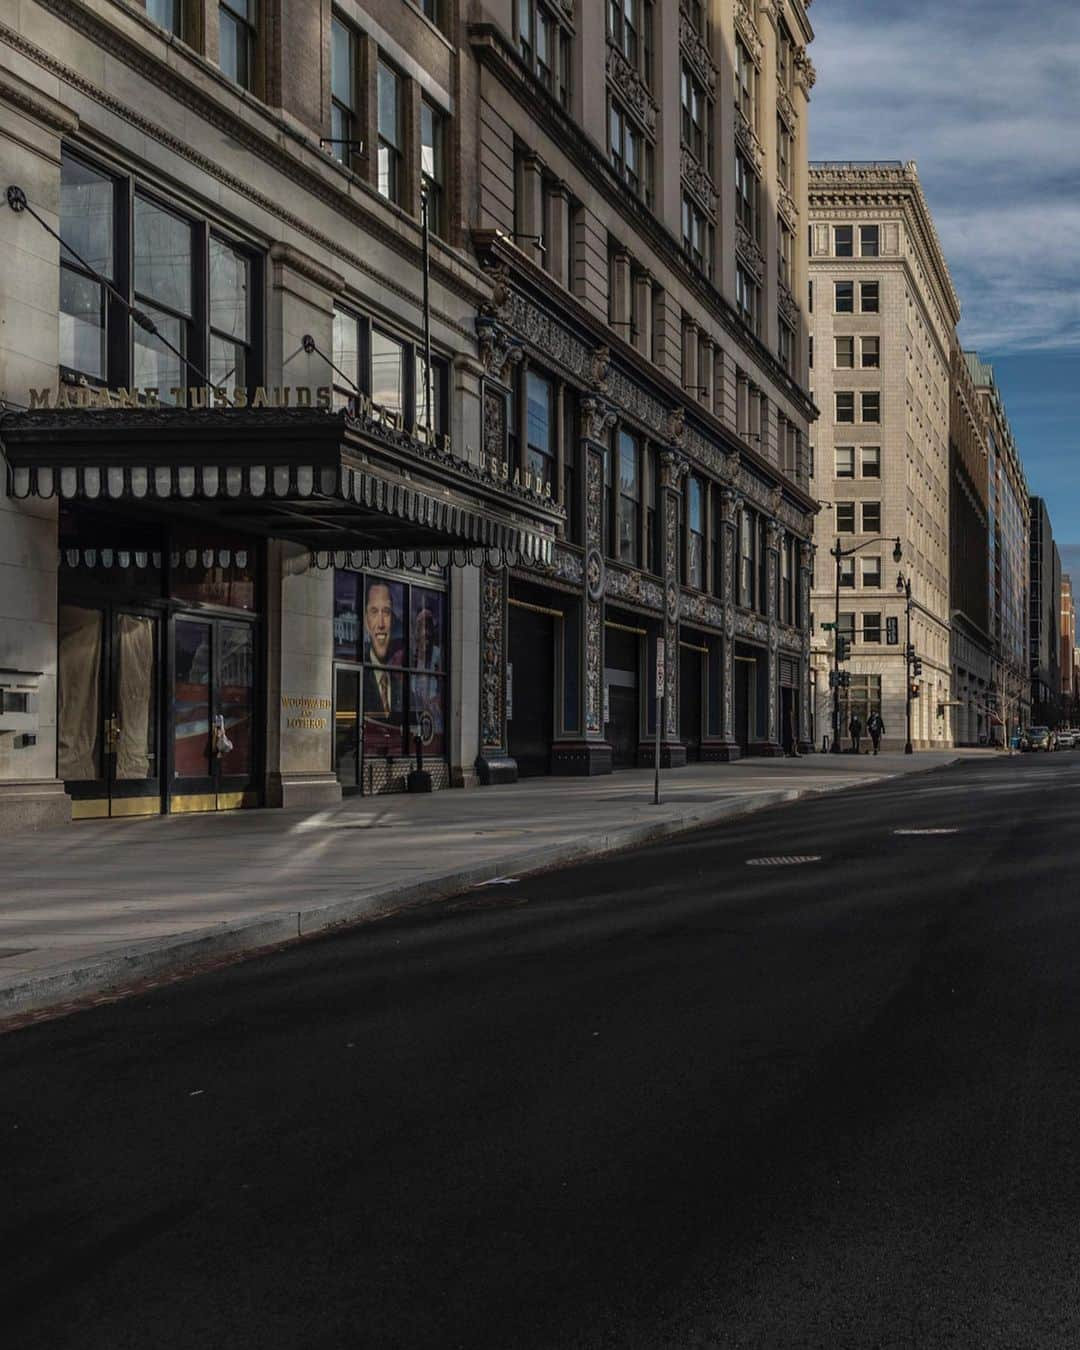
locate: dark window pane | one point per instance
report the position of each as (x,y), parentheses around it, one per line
(162,256)
(86,215)
(82,325)
(341,64)
(229,286)
(346,727)
(191,700)
(236,693)
(387,372)
(154,366)
(228,365)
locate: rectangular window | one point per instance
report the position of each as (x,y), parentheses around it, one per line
(871,517)
(871,406)
(871,461)
(570,461)
(871,573)
(696,235)
(747,536)
(845,353)
(164,256)
(871,353)
(783,153)
(168,13)
(845,297)
(695,116)
(87,226)
(845,406)
(745,83)
(786,345)
(747,297)
(845,517)
(695,533)
(540,456)
(846,627)
(348,345)
(868,241)
(391,134)
(847,573)
(871,627)
(629,507)
(437,395)
(845,461)
(544,43)
(747,194)
(388,374)
(843,241)
(236,40)
(784,242)
(652,559)
(230,315)
(343,90)
(630,154)
(868,297)
(433,165)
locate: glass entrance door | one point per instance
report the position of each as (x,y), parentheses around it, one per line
(213,750)
(108,735)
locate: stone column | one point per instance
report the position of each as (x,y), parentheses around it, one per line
(499,354)
(690,357)
(557,241)
(592,755)
(673,469)
(772,745)
(620,302)
(806,572)
(728,748)
(532,206)
(706,370)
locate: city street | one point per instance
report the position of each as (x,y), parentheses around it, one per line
(808,1078)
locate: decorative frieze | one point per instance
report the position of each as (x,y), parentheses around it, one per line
(631,88)
(597,419)
(747,30)
(751,626)
(701,609)
(498,350)
(748,143)
(697,53)
(805,74)
(698,179)
(631,586)
(568,566)
(749,251)
(785,203)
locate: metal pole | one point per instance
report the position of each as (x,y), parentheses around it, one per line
(836,657)
(659,699)
(656,778)
(909,749)
(424,205)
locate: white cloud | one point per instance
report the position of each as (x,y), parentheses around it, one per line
(986,101)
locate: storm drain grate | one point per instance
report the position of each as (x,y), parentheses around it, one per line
(784,860)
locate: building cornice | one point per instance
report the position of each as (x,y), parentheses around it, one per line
(836,186)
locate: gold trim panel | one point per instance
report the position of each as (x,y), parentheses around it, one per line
(136,806)
(191,802)
(85,808)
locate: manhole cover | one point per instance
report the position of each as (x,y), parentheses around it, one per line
(784,860)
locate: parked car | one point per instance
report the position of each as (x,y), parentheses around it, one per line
(1065,739)
(1039,738)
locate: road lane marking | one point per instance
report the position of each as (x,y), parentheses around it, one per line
(929,831)
(790,860)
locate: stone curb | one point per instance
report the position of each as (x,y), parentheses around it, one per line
(186,952)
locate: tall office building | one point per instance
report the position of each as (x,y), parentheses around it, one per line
(884,316)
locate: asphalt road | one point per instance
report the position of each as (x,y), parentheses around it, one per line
(666,1100)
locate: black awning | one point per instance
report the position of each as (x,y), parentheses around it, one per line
(299,478)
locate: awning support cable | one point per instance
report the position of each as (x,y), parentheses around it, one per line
(312,347)
(16,199)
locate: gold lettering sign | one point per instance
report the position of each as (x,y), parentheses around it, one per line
(195,396)
(304,708)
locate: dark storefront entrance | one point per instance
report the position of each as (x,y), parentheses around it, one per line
(157,663)
(693,656)
(531,679)
(622,663)
(745,701)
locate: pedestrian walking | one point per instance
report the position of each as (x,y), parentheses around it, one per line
(855,728)
(876,727)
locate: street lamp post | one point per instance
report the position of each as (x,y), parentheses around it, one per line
(840,553)
(903,585)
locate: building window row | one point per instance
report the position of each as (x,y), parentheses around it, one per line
(869,406)
(198,286)
(387,368)
(869,461)
(545,43)
(869,297)
(868,350)
(844,241)
(402,149)
(845,517)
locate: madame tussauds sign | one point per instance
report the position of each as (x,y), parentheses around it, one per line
(179,396)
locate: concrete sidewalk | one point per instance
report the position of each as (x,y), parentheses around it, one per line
(102,904)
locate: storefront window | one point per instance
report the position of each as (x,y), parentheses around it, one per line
(540,429)
(212,569)
(629,499)
(394,635)
(695,543)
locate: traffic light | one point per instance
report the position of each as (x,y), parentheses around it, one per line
(843,648)
(845,679)
(916,666)
(892,631)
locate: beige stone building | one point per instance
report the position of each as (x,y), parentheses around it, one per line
(269,522)
(884,315)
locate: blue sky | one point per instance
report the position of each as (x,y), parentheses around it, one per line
(984,95)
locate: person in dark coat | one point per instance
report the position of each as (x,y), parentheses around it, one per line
(876,727)
(855,727)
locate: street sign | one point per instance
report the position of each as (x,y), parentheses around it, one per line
(892,630)
(659,667)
